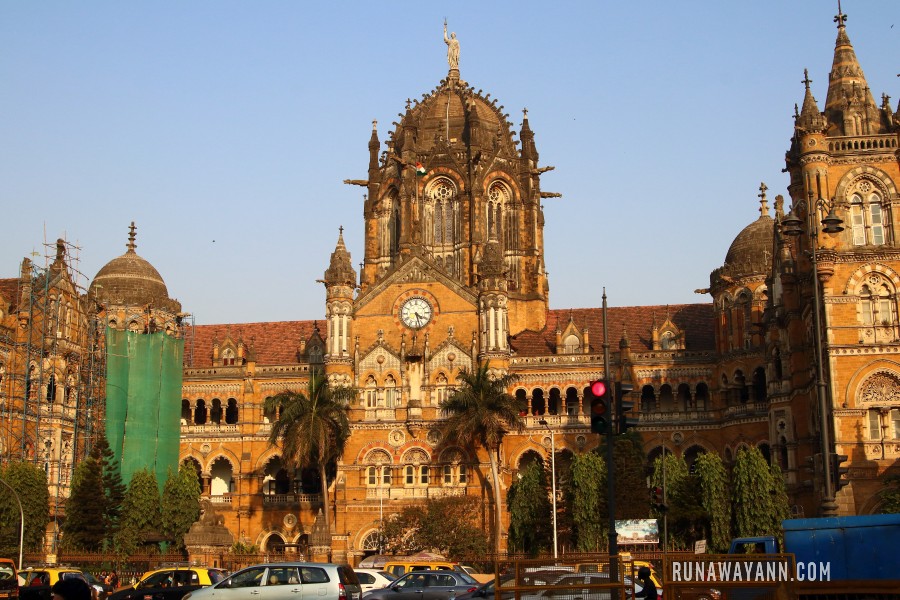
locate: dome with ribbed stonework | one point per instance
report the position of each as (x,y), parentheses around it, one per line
(130,280)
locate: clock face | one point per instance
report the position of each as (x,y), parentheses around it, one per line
(416,313)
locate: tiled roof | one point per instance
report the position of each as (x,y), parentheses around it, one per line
(274,343)
(9,290)
(695,320)
(278,342)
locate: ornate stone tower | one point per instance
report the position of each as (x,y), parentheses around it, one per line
(453,178)
(835,297)
(340,283)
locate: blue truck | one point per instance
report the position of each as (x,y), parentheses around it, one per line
(859,548)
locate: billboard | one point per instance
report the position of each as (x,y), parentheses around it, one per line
(637,531)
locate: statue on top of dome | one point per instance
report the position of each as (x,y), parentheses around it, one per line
(452,48)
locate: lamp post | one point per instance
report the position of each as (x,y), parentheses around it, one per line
(21,521)
(553,478)
(793,226)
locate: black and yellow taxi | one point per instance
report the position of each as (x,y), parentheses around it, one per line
(169,583)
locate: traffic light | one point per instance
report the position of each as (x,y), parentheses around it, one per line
(839,469)
(623,407)
(656,499)
(598,393)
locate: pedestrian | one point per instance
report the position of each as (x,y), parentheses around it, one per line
(71,589)
(113,580)
(648,591)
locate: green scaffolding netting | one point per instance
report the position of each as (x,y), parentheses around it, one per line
(143,401)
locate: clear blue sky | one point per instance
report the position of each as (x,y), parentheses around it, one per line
(225,129)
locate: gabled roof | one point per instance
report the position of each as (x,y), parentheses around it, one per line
(274,343)
(696,320)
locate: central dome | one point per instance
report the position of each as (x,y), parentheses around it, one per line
(452,113)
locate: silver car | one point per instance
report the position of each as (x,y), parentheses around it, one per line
(285,581)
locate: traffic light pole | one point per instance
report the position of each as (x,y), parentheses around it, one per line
(610,465)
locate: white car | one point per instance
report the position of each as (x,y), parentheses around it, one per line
(373,579)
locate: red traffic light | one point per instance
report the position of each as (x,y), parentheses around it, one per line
(598,388)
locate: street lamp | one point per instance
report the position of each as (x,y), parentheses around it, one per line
(21,521)
(792,226)
(553,478)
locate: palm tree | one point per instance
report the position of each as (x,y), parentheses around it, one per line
(312,427)
(481,412)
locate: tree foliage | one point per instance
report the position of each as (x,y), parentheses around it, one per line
(631,484)
(448,525)
(141,521)
(530,511)
(586,501)
(890,495)
(95,501)
(670,473)
(758,495)
(180,504)
(85,524)
(312,428)
(480,412)
(716,500)
(30,483)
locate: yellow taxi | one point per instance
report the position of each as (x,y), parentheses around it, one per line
(169,583)
(36,576)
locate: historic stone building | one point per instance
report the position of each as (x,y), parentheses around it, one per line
(454,275)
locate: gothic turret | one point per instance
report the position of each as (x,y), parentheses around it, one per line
(340,282)
(850,107)
(811,119)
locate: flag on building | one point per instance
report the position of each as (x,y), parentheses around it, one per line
(420,169)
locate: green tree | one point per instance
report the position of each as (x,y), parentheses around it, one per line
(631,482)
(530,511)
(141,521)
(113,488)
(85,524)
(30,482)
(480,412)
(95,502)
(890,495)
(587,502)
(447,525)
(670,474)
(312,428)
(758,495)
(180,504)
(716,500)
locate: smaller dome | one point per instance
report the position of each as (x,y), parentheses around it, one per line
(751,251)
(130,279)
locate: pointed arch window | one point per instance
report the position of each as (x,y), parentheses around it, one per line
(390,392)
(866,218)
(876,305)
(371,393)
(441,193)
(440,388)
(498,200)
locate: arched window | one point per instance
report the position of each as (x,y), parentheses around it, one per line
(390,392)
(440,388)
(572,345)
(51,389)
(880,395)
(453,471)
(228,357)
(371,393)
(378,473)
(866,217)
(215,411)
(415,468)
(498,199)
(667,341)
(185,411)
(442,194)
(231,412)
(200,413)
(876,305)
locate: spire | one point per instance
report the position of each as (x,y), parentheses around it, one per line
(849,106)
(131,237)
(340,271)
(374,145)
(810,118)
(763,203)
(529,151)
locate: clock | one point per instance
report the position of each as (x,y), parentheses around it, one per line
(416,312)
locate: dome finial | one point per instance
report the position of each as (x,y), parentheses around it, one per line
(763,203)
(806,80)
(840,18)
(131,237)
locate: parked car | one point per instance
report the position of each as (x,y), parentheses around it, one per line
(426,585)
(486,590)
(297,581)
(39,580)
(100,589)
(570,591)
(398,567)
(9,580)
(169,583)
(375,579)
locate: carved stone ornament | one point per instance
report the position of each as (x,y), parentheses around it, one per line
(397,438)
(881,388)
